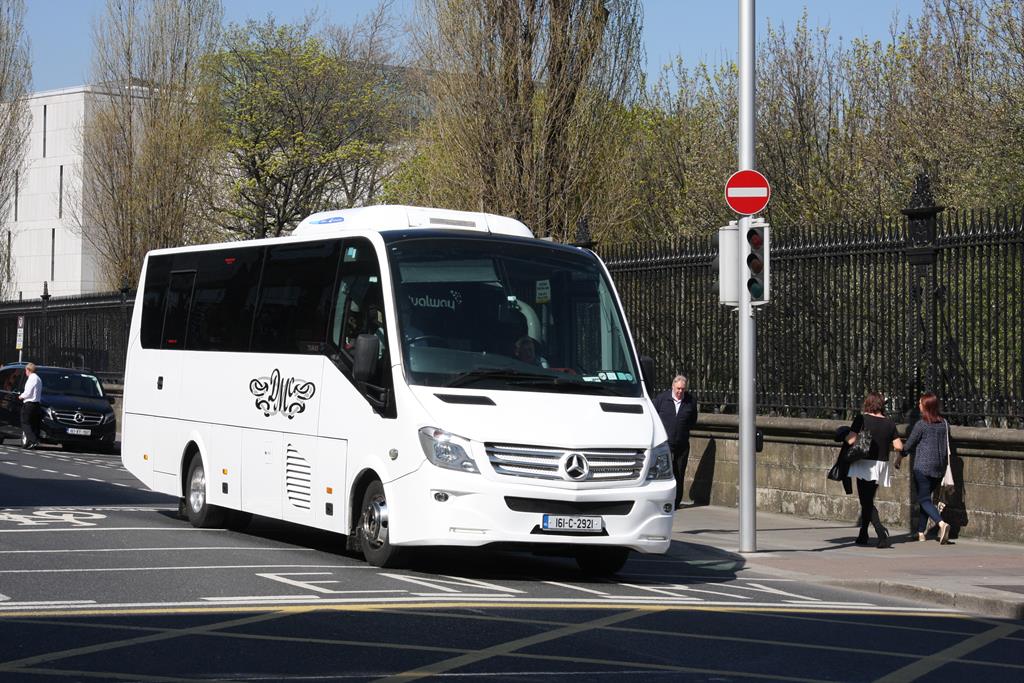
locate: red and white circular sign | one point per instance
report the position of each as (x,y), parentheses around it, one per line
(747,192)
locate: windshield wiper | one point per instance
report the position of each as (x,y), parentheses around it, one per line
(478,374)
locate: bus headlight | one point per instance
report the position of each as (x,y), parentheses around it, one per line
(661,462)
(447,450)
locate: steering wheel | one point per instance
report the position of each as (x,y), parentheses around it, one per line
(427,340)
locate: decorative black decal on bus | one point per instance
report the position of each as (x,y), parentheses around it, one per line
(275,394)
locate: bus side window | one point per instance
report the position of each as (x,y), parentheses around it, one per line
(179,302)
(294,299)
(359,303)
(154,290)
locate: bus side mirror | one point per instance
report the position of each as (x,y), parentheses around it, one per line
(364,360)
(647,367)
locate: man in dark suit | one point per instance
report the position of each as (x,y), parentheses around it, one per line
(677,409)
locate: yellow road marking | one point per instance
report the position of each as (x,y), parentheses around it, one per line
(926,665)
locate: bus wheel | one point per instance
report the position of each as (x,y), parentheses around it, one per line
(374,528)
(601,561)
(200,512)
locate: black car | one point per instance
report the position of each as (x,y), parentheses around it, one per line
(75,411)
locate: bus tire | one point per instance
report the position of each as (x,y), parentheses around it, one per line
(200,512)
(601,561)
(374,528)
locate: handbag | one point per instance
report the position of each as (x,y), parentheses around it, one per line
(947,478)
(836,472)
(860,448)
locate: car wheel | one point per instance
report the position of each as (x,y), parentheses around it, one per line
(601,561)
(200,512)
(374,528)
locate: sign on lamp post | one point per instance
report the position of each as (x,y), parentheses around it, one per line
(747,192)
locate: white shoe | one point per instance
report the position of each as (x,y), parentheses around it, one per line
(943,533)
(921,536)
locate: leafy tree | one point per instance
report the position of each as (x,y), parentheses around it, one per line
(301,128)
(527,111)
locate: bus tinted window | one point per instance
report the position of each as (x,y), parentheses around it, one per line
(154,289)
(295,296)
(179,298)
(224,300)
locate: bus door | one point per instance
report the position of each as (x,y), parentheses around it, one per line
(164,370)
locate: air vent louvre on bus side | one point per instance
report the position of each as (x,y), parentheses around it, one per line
(298,478)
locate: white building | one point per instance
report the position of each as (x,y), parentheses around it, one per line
(44,240)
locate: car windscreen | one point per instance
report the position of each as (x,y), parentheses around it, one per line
(70,384)
(509,314)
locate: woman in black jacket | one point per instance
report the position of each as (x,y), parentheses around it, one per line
(929,442)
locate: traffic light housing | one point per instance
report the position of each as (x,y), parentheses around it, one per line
(724,265)
(755,247)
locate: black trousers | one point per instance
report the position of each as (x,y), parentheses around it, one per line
(866,491)
(680,458)
(30,415)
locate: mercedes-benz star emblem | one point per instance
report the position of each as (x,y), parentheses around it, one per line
(575,466)
(79,418)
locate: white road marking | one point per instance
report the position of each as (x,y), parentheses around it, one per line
(575,588)
(30,467)
(47,603)
(51,471)
(282,577)
(263,598)
(663,591)
(444,585)
(68,474)
(113,528)
(95,479)
(137,550)
(95,570)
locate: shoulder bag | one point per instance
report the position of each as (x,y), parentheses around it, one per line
(947,479)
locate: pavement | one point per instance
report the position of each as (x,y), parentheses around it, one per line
(967,575)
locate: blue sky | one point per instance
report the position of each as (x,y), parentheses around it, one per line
(60,30)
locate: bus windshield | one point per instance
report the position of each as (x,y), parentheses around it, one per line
(489,314)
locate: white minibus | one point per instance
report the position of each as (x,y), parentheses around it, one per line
(403,376)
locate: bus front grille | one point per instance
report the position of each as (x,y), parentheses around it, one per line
(298,476)
(542,462)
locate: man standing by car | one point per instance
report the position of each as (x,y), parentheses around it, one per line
(30,406)
(678,412)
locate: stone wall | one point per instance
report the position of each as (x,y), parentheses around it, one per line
(988,466)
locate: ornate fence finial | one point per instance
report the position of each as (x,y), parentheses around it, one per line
(583,234)
(922,197)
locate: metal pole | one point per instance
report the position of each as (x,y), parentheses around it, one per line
(747,349)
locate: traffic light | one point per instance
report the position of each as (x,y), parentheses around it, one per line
(755,255)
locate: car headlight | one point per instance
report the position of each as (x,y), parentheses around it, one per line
(108,418)
(447,450)
(49,413)
(661,462)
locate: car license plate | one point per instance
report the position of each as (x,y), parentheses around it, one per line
(79,432)
(574,523)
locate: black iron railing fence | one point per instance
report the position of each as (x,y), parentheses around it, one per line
(89,331)
(932,301)
(853,307)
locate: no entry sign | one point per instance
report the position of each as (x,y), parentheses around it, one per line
(747,192)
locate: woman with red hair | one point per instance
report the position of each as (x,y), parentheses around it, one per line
(929,442)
